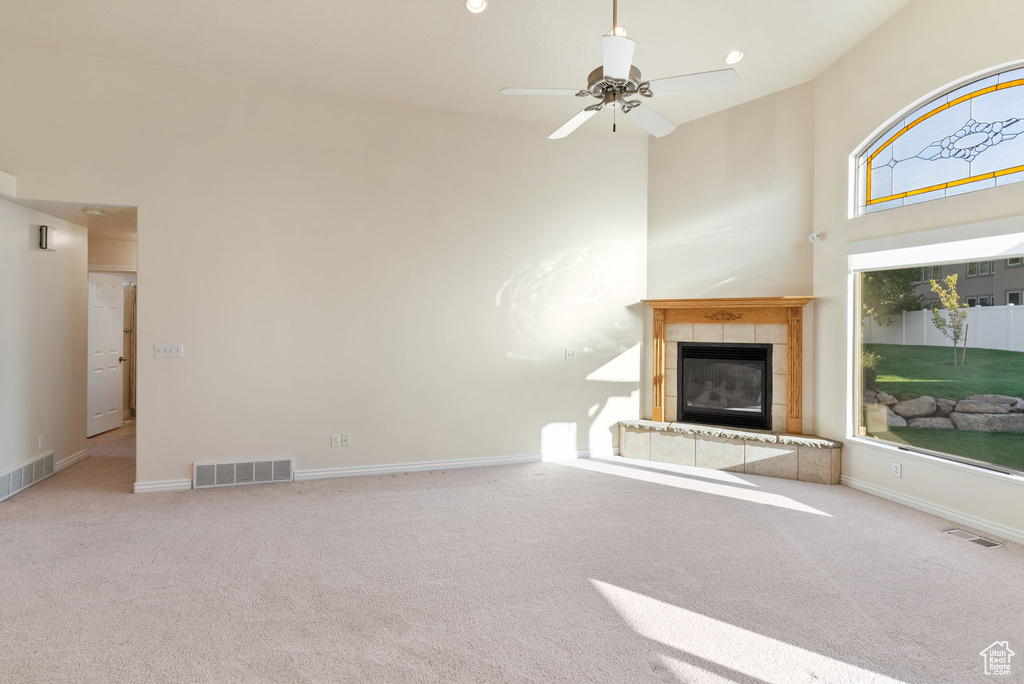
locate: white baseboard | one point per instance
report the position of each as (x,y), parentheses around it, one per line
(162,486)
(70,460)
(353,471)
(980,524)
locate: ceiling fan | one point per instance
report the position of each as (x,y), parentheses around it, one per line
(617,79)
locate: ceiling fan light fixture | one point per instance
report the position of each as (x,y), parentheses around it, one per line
(617,80)
(734,56)
(476,6)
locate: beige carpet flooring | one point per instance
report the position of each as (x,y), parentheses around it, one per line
(590,572)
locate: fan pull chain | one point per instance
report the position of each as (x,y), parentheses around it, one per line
(613,120)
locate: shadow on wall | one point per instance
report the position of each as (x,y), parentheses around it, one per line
(580,302)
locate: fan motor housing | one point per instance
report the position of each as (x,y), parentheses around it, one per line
(599,86)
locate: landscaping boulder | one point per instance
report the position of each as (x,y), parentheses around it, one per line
(915,408)
(935,423)
(870,396)
(988,422)
(886,399)
(996,399)
(892,420)
(972,406)
(943,407)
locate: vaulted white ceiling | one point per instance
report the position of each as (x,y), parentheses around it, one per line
(434,52)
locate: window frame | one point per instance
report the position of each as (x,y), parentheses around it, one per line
(937,247)
(989,268)
(936,273)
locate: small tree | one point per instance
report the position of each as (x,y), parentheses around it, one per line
(952,324)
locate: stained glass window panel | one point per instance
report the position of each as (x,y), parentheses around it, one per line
(969,138)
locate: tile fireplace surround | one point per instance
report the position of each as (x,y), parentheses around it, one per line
(774,320)
(782,452)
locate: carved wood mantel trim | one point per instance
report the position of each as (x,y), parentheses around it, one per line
(784,310)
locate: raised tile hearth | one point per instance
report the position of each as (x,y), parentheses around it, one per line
(792,457)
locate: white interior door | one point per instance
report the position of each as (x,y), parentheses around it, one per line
(106,329)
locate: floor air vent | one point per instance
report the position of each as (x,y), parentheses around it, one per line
(980,541)
(241,472)
(16,480)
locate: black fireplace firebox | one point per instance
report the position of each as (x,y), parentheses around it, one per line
(725,384)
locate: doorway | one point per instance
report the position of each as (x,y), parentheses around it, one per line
(112,349)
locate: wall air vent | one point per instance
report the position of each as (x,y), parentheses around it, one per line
(23,476)
(221,474)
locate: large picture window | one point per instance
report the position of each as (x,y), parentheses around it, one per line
(941,366)
(966,139)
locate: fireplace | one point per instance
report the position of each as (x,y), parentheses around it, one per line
(727,384)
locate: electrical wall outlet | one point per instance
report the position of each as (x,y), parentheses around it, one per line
(335,440)
(42,441)
(346,439)
(168,350)
(570,354)
(897,470)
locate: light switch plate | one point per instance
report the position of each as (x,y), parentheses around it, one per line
(167,350)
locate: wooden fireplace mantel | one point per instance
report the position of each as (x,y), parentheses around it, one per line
(750,310)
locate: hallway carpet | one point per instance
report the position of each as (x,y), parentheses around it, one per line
(582,572)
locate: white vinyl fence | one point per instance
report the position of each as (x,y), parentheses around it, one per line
(989,327)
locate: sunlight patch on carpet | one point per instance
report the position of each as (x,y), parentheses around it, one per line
(693,484)
(733,648)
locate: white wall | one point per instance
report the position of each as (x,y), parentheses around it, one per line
(730,208)
(43,329)
(902,61)
(730,202)
(406,274)
(120,253)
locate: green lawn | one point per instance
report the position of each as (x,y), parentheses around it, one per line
(1002,448)
(907,372)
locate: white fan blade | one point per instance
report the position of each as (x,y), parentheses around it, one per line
(618,56)
(537,91)
(723,79)
(648,118)
(573,123)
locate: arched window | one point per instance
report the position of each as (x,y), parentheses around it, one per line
(966,139)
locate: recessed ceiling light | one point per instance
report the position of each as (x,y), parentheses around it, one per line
(733,56)
(476,6)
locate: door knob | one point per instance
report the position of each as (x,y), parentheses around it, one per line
(121,359)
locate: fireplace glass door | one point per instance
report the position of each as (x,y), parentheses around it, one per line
(725,384)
